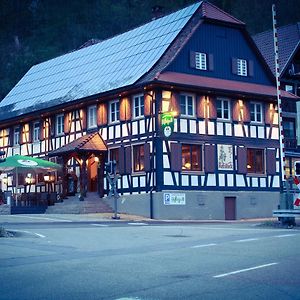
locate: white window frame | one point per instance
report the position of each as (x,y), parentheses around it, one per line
(139,107)
(36,132)
(185,113)
(201,61)
(242,69)
(222,109)
(92,116)
(60,124)
(114,111)
(16,135)
(255,112)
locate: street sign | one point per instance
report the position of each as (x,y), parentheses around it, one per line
(174,199)
(167,124)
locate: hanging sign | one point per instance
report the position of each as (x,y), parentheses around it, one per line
(167,124)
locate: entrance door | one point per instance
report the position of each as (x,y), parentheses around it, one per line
(92,174)
(230,208)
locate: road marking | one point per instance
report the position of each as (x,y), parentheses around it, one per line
(138,224)
(42,218)
(100,225)
(203,246)
(284,235)
(246,240)
(33,233)
(244,270)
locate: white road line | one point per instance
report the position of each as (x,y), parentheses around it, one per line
(203,246)
(284,235)
(246,240)
(244,270)
(41,218)
(29,232)
(100,225)
(139,224)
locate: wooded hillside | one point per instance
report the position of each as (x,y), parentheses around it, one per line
(32,31)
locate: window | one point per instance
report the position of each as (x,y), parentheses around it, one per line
(223,109)
(187,105)
(138,106)
(114,111)
(255,161)
(16,135)
(289,88)
(92,116)
(36,131)
(191,157)
(200,61)
(256,112)
(114,155)
(59,124)
(241,67)
(138,158)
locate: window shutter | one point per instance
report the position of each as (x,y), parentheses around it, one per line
(235,110)
(271,161)
(210,158)
(234,65)
(21,132)
(125,109)
(102,114)
(42,132)
(52,126)
(11,137)
(83,119)
(176,157)
(67,123)
(175,102)
(212,108)
(251,68)
(201,106)
(242,160)
(147,162)
(128,160)
(121,160)
(210,62)
(246,108)
(193,59)
(147,104)
(267,114)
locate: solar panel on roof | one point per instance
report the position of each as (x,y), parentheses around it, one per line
(111,64)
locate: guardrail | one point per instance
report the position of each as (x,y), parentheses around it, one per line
(286,213)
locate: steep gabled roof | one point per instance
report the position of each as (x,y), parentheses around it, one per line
(288,43)
(212,12)
(113,64)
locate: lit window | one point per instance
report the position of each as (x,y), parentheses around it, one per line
(138,158)
(92,116)
(241,67)
(200,59)
(16,135)
(59,124)
(36,131)
(138,106)
(256,112)
(255,161)
(114,111)
(223,109)
(191,157)
(187,105)
(114,155)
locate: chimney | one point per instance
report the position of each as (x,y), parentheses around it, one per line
(157,12)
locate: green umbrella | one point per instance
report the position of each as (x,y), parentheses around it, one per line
(23,164)
(26,163)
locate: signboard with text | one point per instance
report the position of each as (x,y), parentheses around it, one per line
(225,157)
(174,199)
(167,124)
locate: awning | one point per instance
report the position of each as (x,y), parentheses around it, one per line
(89,143)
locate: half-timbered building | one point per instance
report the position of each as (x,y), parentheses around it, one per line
(185,104)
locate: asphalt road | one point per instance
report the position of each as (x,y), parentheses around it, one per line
(144,260)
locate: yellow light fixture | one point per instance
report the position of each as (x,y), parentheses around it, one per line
(96,159)
(241,103)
